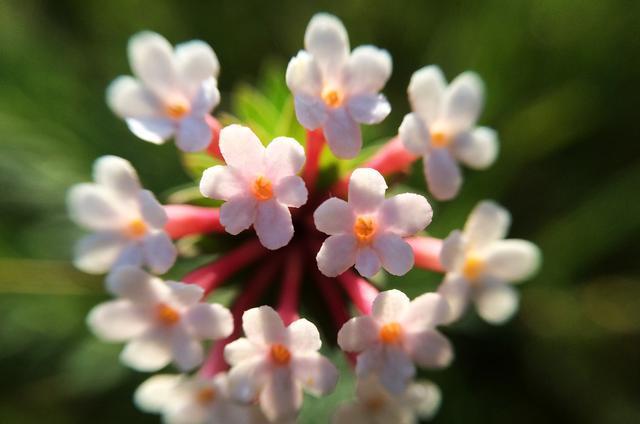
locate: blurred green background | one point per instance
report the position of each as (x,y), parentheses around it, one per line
(562,83)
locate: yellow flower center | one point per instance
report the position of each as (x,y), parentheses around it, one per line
(472,267)
(262,188)
(280,354)
(440,139)
(206,395)
(390,333)
(332,97)
(177,109)
(136,228)
(167,315)
(364,229)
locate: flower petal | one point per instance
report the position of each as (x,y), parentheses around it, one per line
(352,413)
(193,134)
(96,253)
(415,137)
(186,350)
(184,295)
(281,396)
(283,157)
(273,224)
(196,61)
(452,254)
(238,214)
(369,108)
(368,69)
(291,191)
(136,285)
(221,182)
(424,398)
(154,130)
(426,92)
(395,254)
(303,75)
(487,222)
(311,111)
(303,336)
(397,370)
(476,149)
(366,190)
(334,216)
(358,334)
(327,40)
(263,325)
(96,207)
(246,380)
(337,254)
(455,289)
(342,133)
(156,392)
(117,174)
(367,262)
(209,321)
(315,372)
(462,102)
(429,349)
(443,174)
(159,252)
(151,59)
(207,96)
(242,149)
(131,255)
(148,353)
(511,260)
(496,302)
(117,320)
(152,211)
(390,306)
(425,312)
(405,214)
(128,98)
(241,350)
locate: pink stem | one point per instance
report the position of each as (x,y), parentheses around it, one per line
(185,220)
(290,292)
(426,251)
(248,298)
(361,292)
(211,276)
(315,143)
(214,146)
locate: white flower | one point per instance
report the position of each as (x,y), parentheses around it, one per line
(162,321)
(274,363)
(258,184)
(193,400)
(397,334)
(174,91)
(480,264)
(442,128)
(368,230)
(128,222)
(375,405)
(335,90)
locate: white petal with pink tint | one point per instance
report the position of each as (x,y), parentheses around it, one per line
(241,149)
(128,98)
(263,325)
(512,260)
(221,182)
(316,373)
(389,306)
(415,137)
(273,224)
(342,133)
(453,251)
(151,58)
(476,149)
(291,191)
(496,302)
(369,108)
(303,75)
(462,102)
(283,157)
(311,111)
(358,334)
(281,397)
(240,350)
(426,92)
(155,130)
(210,321)
(187,352)
(368,69)
(117,174)
(443,174)
(117,321)
(159,252)
(95,207)
(429,349)
(96,253)
(238,214)
(487,222)
(148,353)
(406,214)
(304,336)
(193,134)
(196,61)
(151,210)
(426,311)
(334,216)
(327,41)
(366,190)
(337,254)
(367,262)
(396,255)
(455,289)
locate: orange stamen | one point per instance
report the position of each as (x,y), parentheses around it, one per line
(136,228)
(364,229)
(473,267)
(280,354)
(439,139)
(177,109)
(206,395)
(167,315)
(332,97)
(262,188)
(391,333)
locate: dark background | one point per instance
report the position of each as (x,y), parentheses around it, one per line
(562,82)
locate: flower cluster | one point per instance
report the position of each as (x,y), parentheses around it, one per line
(263,358)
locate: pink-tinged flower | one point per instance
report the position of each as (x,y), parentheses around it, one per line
(128,222)
(368,230)
(172,94)
(161,321)
(337,90)
(480,265)
(398,334)
(258,185)
(442,128)
(194,400)
(375,405)
(274,363)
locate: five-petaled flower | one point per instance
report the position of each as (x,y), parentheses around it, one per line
(258,184)
(128,221)
(194,400)
(368,230)
(375,405)
(397,334)
(335,90)
(162,321)
(442,129)
(480,264)
(274,363)
(174,91)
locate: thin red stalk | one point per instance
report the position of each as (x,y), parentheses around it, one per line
(187,220)
(315,143)
(426,251)
(211,276)
(335,304)
(214,146)
(249,297)
(361,292)
(290,291)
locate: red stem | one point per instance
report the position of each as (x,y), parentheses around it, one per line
(426,251)
(211,276)
(290,292)
(361,292)
(315,143)
(185,220)
(214,146)
(331,294)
